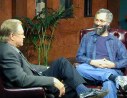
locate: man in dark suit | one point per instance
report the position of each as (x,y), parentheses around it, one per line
(18,72)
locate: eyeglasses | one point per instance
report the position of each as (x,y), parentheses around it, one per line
(100,20)
(19,34)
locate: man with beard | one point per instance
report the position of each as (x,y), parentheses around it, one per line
(101,54)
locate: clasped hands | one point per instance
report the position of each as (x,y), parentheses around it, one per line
(102,63)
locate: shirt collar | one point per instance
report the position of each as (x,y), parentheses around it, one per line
(110,36)
(16,49)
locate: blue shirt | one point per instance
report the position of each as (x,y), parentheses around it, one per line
(101,49)
(116,49)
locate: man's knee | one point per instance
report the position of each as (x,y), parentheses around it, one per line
(63,60)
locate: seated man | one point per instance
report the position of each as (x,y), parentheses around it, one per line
(101,54)
(18,72)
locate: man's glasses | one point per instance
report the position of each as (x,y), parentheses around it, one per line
(19,34)
(100,20)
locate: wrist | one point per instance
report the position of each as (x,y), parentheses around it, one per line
(54,81)
(91,62)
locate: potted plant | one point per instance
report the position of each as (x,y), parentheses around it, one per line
(36,30)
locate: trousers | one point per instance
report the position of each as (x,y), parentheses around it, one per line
(63,70)
(101,74)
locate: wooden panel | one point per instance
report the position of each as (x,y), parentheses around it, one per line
(21,8)
(0,4)
(55,4)
(49,3)
(78,6)
(25,8)
(5,10)
(31,4)
(13,8)
(67,33)
(97,4)
(114,8)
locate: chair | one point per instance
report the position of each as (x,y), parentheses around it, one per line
(121,35)
(35,92)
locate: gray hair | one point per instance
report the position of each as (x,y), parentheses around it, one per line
(109,14)
(8,26)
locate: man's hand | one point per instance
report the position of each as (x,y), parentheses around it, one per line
(102,63)
(60,86)
(97,63)
(109,63)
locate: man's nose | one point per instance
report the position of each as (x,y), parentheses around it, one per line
(98,23)
(24,36)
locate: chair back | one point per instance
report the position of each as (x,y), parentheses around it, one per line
(1,85)
(2,93)
(119,33)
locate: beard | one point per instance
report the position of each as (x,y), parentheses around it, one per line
(101,30)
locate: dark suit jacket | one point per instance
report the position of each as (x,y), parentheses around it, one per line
(17,71)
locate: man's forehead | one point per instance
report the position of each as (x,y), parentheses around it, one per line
(20,28)
(102,16)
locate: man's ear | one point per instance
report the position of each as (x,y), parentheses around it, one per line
(11,36)
(108,24)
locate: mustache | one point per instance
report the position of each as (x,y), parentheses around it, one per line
(94,28)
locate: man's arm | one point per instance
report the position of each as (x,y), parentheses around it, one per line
(19,75)
(81,53)
(121,56)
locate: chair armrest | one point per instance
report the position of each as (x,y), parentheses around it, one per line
(125,72)
(35,92)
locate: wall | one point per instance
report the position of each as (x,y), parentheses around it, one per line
(123,14)
(5,10)
(114,6)
(67,36)
(66,40)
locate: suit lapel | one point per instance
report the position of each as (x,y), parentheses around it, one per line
(29,65)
